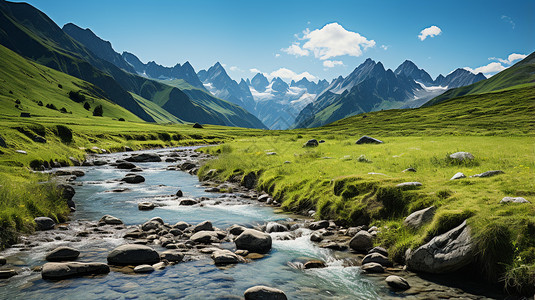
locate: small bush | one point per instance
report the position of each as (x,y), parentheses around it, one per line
(51,106)
(63,110)
(77,97)
(64,133)
(17,101)
(121,119)
(98,111)
(40,103)
(87,106)
(164,136)
(60,86)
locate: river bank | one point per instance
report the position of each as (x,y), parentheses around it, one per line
(222,203)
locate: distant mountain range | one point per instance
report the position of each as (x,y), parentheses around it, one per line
(78,52)
(370,87)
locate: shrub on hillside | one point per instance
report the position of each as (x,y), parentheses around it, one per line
(40,103)
(51,106)
(76,96)
(98,111)
(64,133)
(87,106)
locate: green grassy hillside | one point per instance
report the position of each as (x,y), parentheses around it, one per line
(522,74)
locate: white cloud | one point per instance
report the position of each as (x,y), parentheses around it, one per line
(224,65)
(254,70)
(330,41)
(288,74)
(429,31)
(235,69)
(385,47)
(510,59)
(488,70)
(277,55)
(508,20)
(295,49)
(332,63)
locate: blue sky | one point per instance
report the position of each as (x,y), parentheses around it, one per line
(319,39)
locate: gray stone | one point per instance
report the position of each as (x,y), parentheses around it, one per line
(275,227)
(75,161)
(44,223)
(4,274)
(187,202)
(144,157)
(311,143)
(203,226)
(131,254)
(133,178)
(514,200)
(409,170)
(253,241)
(420,217)
(3,260)
(172,256)
(376,258)
(249,180)
(368,140)
(373,268)
(397,283)
(110,220)
(314,264)
(445,253)
(408,185)
(125,166)
(319,225)
(179,193)
(236,229)
(261,292)
(225,257)
(63,253)
(145,206)
(55,270)
(458,175)
(205,237)
(379,250)
(263,198)
(461,156)
(144,269)
(489,173)
(361,242)
(316,237)
(181,225)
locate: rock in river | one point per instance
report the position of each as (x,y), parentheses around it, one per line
(361,242)
(376,258)
(144,157)
(4,274)
(145,206)
(125,165)
(319,225)
(72,269)
(62,254)
(205,237)
(144,269)
(110,220)
(44,223)
(397,283)
(133,178)
(275,227)
(445,253)
(203,226)
(373,268)
(261,292)
(225,257)
(253,241)
(172,256)
(131,254)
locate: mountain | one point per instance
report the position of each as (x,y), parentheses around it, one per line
(521,74)
(101,48)
(370,87)
(259,82)
(33,35)
(217,81)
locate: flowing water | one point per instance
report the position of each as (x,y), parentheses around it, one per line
(195,279)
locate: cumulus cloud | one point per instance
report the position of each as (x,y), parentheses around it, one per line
(332,64)
(334,40)
(488,70)
(429,32)
(295,49)
(277,55)
(510,59)
(235,69)
(254,70)
(288,74)
(385,47)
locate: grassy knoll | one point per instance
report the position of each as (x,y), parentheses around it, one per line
(334,178)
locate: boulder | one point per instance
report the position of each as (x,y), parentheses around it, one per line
(397,283)
(368,140)
(110,220)
(361,242)
(205,237)
(236,229)
(145,206)
(133,178)
(67,192)
(188,165)
(261,292)
(263,198)
(187,202)
(144,269)
(3,260)
(253,241)
(461,156)
(489,173)
(203,226)
(409,185)
(249,180)
(197,125)
(144,157)
(373,268)
(172,256)
(62,254)
(420,217)
(458,175)
(514,200)
(225,257)
(376,258)
(179,193)
(75,161)
(316,237)
(181,225)
(131,254)
(125,166)
(314,264)
(275,227)
(55,270)
(319,225)
(445,253)
(5,274)
(128,149)
(311,143)
(379,250)
(44,223)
